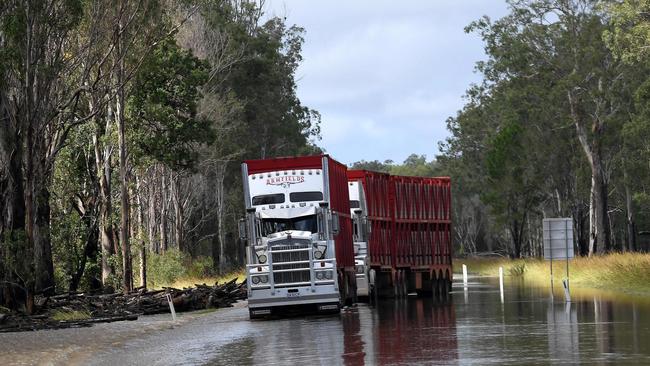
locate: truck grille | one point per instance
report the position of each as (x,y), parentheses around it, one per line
(280,258)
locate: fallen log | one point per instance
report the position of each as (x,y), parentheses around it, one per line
(115,307)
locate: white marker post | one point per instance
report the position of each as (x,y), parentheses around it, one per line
(465,276)
(171,306)
(501,282)
(567,295)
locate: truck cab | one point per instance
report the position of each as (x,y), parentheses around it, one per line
(358,212)
(289,230)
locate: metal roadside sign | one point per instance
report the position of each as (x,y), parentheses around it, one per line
(558,244)
(558,238)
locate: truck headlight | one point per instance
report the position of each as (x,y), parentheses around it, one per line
(328,275)
(318,254)
(319,275)
(264,279)
(255,280)
(262,258)
(359,269)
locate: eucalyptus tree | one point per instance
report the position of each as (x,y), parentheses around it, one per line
(39,100)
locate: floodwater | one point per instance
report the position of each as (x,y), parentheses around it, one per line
(476,327)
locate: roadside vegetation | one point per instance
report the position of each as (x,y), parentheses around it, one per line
(623,272)
(70,315)
(179,270)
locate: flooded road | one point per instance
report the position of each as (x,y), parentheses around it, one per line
(528,327)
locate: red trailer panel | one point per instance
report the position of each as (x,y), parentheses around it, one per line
(410,220)
(422,221)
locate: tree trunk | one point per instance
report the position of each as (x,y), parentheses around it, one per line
(142,249)
(163,211)
(89,253)
(178,213)
(151,215)
(43,265)
(12,203)
(629,210)
(104,170)
(220,191)
(127,279)
(599,235)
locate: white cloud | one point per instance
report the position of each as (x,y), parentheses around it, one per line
(385,75)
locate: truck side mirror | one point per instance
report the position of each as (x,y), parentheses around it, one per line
(336,225)
(242,230)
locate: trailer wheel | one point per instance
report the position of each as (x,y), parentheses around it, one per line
(436,288)
(372,290)
(405,283)
(444,289)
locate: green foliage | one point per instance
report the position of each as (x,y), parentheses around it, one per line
(200,267)
(414,165)
(163,106)
(14,247)
(630,35)
(165,269)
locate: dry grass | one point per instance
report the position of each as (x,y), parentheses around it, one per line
(70,315)
(191,281)
(627,272)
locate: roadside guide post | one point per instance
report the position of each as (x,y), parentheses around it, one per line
(464,276)
(171,306)
(558,244)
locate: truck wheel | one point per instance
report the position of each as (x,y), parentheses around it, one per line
(353,292)
(344,290)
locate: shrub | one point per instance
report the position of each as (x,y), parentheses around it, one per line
(200,267)
(165,268)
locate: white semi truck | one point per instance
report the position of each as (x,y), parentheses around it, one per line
(298,235)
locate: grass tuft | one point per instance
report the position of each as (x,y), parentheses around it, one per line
(70,315)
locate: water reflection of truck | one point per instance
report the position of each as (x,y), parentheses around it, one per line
(402,229)
(298,233)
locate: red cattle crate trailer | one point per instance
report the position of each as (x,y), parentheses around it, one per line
(298,233)
(409,232)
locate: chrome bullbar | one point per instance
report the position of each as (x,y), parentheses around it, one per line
(283,270)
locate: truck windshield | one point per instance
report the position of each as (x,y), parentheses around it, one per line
(304,223)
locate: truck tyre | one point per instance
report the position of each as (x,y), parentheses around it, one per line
(372,292)
(435,289)
(353,290)
(344,290)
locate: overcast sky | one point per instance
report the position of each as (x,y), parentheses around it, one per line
(385,75)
